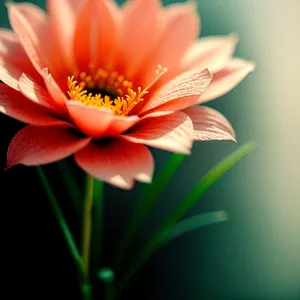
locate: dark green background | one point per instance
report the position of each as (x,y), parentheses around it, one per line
(255,255)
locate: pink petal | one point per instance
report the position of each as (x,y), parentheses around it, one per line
(98,122)
(15,105)
(210,52)
(181,92)
(139,40)
(226,79)
(62,20)
(96,33)
(13,55)
(9,74)
(209,124)
(54,90)
(35,145)
(34,92)
(172,133)
(29,22)
(117,162)
(181,29)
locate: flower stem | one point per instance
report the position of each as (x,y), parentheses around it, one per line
(87,225)
(65,229)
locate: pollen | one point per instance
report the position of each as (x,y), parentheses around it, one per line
(110,90)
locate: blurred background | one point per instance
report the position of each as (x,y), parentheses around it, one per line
(254,255)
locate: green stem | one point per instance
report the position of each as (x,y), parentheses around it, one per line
(109,291)
(72,187)
(143,206)
(87,225)
(65,229)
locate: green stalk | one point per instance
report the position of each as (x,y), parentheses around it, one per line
(143,206)
(87,225)
(65,230)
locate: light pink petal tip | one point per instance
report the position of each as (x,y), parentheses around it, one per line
(30,24)
(15,105)
(35,145)
(181,92)
(211,52)
(228,78)
(117,162)
(173,132)
(209,124)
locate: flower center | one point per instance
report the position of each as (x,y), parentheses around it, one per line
(108,90)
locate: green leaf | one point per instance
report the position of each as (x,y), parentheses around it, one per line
(144,204)
(203,185)
(97,226)
(195,222)
(65,230)
(72,186)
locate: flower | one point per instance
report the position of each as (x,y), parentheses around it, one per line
(102,83)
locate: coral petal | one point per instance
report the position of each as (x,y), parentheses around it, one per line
(211,52)
(15,105)
(35,145)
(29,22)
(173,132)
(181,29)
(226,79)
(117,162)
(181,92)
(209,124)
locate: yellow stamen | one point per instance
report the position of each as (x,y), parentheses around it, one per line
(120,98)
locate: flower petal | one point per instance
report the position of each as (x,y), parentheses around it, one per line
(226,79)
(62,20)
(117,162)
(54,90)
(35,145)
(181,92)
(211,52)
(98,122)
(29,22)
(138,41)
(34,92)
(12,54)
(97,47)
(173,133)
(181,29)
(209,124)
(15,105)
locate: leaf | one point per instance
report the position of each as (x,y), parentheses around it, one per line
(157,241)
(144,204)
(194,223)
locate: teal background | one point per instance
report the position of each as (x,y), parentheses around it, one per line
(255,255)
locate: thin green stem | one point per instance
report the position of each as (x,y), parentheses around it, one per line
(87,225)
(60,218)
(143,206)
(72,187)
(65,230)
(109,291)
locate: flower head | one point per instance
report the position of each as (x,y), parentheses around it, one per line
(103,82)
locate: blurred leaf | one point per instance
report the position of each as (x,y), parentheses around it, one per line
(144,204)
(195,222)
(72,186)
(106,274)
(157,241)
(97,225)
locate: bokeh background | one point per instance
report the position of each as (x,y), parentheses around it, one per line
(254,255)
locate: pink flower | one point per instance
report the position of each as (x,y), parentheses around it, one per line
(88,80)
